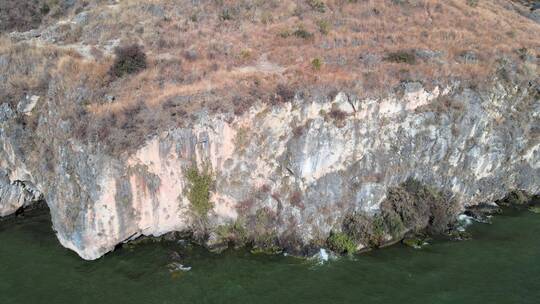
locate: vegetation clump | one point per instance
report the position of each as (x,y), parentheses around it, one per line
(341,243)
(514,198)
(316,64)
(414,242)
(234,233)
(407,57)
(129,60)
(301,32)
(472,3)
(411,209)
(534,209)
(200,184)
(324,27)
(317,5)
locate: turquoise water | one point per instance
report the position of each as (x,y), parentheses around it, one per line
(500,265)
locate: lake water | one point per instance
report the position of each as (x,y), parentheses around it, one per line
(500,265)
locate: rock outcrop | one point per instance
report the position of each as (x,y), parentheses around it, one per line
(289,173)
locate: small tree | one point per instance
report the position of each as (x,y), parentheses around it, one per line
(129,60)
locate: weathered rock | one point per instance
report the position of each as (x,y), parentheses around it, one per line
(16,194)
(482,212)
(26,105)
(282,186)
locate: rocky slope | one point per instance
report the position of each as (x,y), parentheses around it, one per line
(291,172)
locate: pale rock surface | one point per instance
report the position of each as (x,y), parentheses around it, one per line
(478,147)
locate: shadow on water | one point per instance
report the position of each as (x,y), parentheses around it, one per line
(500,265)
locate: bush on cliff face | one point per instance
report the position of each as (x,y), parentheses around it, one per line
(129,60)
(199,191)
(410,208)
(420,208)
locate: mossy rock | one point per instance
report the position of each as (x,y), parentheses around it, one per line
(514,198)
(534,209)
(457,235)
(415,242)
(272,250)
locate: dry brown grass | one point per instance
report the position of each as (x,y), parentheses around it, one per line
(358,29)
(225,55)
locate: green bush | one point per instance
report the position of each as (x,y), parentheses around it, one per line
(199,191)
(341,243)
(316,64)
(129,60)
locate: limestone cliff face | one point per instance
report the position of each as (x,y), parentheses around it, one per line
(297,168)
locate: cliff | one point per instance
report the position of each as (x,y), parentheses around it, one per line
(305,168)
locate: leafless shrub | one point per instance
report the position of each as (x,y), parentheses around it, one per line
(283,93)
(129,60)
(337,114)
(296,199)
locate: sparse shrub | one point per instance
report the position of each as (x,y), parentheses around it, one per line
(337,114)
(298,131)
(301,32)
(129,60)
(267,18)
(241,104)
(324,26)
(379,231)
(266,243)
(395,225)
(317,5)
(245,205)
(420,208)
(284,33)
(283,93)
(245,54)
(514,198)
(296,199)
(233,232)
(523,53)
(241,140)
(359,227)
(472,3)
(262,228)
(45,9)
(199,184)
(408,57)
(316,64)
(341,243)
(22,15)
(410,208)
(226,15)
